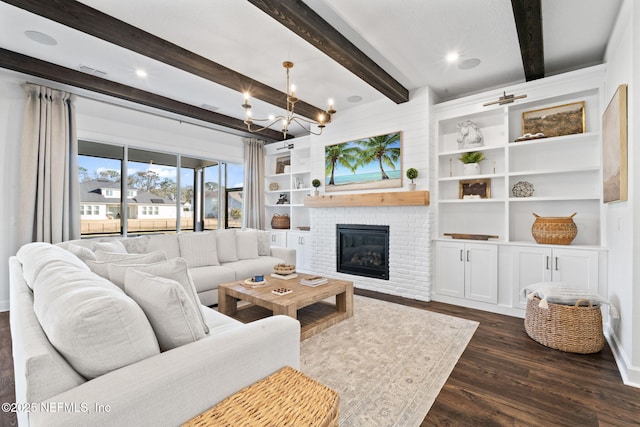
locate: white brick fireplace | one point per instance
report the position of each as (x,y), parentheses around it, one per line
(409,246)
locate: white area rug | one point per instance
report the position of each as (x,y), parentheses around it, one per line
(388,361)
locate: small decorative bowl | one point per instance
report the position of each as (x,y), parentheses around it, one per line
(523,189)
(284,269)
(274,186)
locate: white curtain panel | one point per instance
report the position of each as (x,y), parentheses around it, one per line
(253,184)
(49,190)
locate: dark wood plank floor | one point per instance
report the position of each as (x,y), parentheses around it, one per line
(503,378)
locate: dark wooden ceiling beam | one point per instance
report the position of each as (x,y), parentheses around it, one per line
(528,17)
(46,70)
(83,18)
(302,20)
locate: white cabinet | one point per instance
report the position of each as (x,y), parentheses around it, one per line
(288,180)
(279,238)
(578,268)
(467,270)
(301,242)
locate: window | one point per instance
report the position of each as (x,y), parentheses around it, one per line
(158,192)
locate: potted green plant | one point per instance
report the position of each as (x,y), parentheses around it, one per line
(471,162)
(412,173)
(316,183)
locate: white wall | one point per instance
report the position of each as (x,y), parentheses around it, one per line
(622,238)
(101,122)
(410,247)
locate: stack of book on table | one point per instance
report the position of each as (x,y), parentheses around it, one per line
(313,281)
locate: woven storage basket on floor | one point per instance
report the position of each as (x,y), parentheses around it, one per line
(570,328)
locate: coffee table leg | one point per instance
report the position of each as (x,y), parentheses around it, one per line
(227,304)
(344,303)
(287,310)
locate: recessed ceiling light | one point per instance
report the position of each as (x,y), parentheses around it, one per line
(141,73)
(354,98)
(41,38)
(469,63)
(452,56)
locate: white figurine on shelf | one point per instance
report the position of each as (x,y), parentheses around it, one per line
(469,135)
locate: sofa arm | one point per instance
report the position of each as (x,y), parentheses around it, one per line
(287,254)
(174,386)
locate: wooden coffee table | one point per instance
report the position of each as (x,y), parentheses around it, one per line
(301,296)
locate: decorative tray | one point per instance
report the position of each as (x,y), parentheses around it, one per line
(471,236)
(250,283)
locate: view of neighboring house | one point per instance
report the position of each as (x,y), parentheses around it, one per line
(100,200)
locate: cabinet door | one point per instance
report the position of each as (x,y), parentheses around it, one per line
(530,265)
(481,272)
(450,269)
(577,268)
(301,242)
(279,238)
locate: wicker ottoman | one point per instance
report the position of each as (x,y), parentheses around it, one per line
(285,398)
(571,328)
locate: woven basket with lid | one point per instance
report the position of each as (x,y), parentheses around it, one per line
(554,230)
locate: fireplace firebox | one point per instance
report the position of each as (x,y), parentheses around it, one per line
(363,250)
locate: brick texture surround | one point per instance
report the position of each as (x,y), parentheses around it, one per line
(409,247)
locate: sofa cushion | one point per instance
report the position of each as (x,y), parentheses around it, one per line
(35,256)
(264,242)
(85,254)
(226,245)
(118,269)
(173,316)
(247,244)
(199,249)
(250,267)
(219,322)
(90,321)
(177,269)
(208,278)
(165,242)
(104,259)
(110,246)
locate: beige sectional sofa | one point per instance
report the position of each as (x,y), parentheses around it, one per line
(141,349)
(214,257)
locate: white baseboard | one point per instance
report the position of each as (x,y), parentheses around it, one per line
(630,374)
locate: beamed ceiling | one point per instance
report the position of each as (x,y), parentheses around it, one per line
(203,54)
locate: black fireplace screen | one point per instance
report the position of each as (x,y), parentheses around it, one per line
(363,250)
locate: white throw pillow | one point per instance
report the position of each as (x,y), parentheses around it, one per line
(110,246)
(85,254)
(171,313)
(92,323)
(199,249)
(136,245)
(177,269)
(35,256)
(264,242)
(226,245)
(247,244)
(165,242)
(118,269)
(104,259)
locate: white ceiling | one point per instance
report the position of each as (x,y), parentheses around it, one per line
(407,38)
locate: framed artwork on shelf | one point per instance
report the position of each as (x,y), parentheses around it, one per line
(614,148)
(566,119)
(474,189)
(364,164)
(283,164)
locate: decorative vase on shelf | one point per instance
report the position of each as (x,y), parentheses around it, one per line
(412,186)
(316,193)
(471,169)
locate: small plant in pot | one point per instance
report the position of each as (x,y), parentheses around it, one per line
(471,162)
(316,183)
(412,173)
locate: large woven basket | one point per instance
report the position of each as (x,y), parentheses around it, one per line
(279,221)
(554,230)
(570,328)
